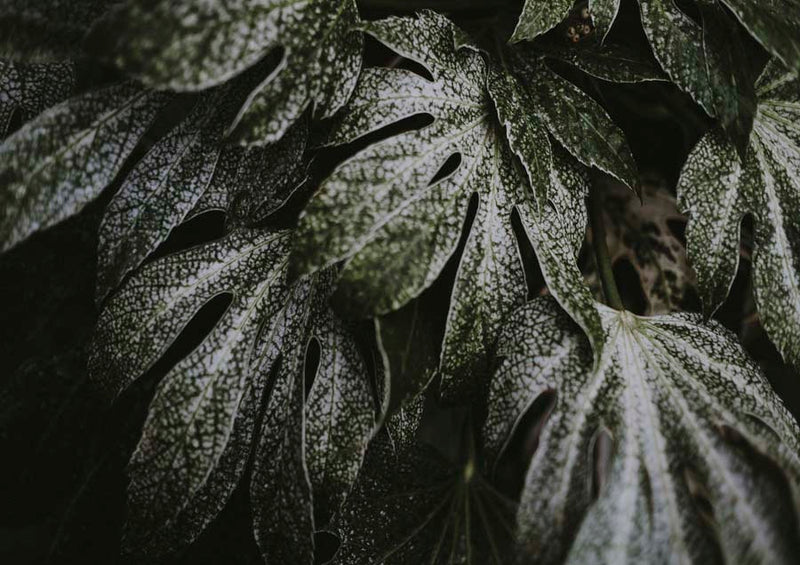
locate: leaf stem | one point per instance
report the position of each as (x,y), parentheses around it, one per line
(602,257)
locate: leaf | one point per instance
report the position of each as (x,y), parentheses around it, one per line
(671,393)
(539,16)
(610,62)
(639,232)
(47,30)
(579,123)
(184,46)
(397,240)
(773,24)
(604,14)
(199,432)
(54,165)
(716,190)
(170,181)
(410,505)
(28,89)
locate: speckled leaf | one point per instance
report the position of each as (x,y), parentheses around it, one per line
(398,238)
(671,394)
(698,60)
(197,436)
(169,182)
(638,231)
(54,165)
(46,30)
(610,62)
(26,89)
(557,234)
(604,13)
(185,46)
(579,123)
(410,505)
(774,24)
(539,16)
(716,190)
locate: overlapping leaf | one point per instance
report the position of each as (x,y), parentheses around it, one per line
(188,46)
(199,433)
(28,89)
(55,164)
(716,190)
(671,393)
(397,224)
(410,505)
(170,183)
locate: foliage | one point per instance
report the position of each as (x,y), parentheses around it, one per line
(381,190)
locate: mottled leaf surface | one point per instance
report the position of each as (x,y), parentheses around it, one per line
(716,190)
(639,231)
(26,89)
(188,46)
(396,224)
(774,24)
(672,393)
(55,164)
(411,505)
(539,16)
(198,434)
(611,62)
(170,182)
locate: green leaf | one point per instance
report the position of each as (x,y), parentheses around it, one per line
(539,16)
(579,123)
(27,89)
(604,13)
(198,434)
(47,30)
(610,62)
(411,505)
(185,46)
(171,180)
(638,231)
(397,240)
(774,24)
(671,394)
(716,190)
(54,165)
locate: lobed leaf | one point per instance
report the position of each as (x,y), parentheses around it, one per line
(717,189)
(185,46)
(396,223)
(671,394)
(199,433)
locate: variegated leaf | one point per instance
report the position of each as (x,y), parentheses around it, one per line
(54,165)
(396,224)
(671,394)
(198,435)
(716,190)
(170,183)
(27,89)
(188,46)
(539,16)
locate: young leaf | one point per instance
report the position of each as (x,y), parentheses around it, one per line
(716,190)
(398,236)
(639,231)
(671,393)
(198,434)
(28,89)
(169,182)
(54,165)
(410,505)
(185,46)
